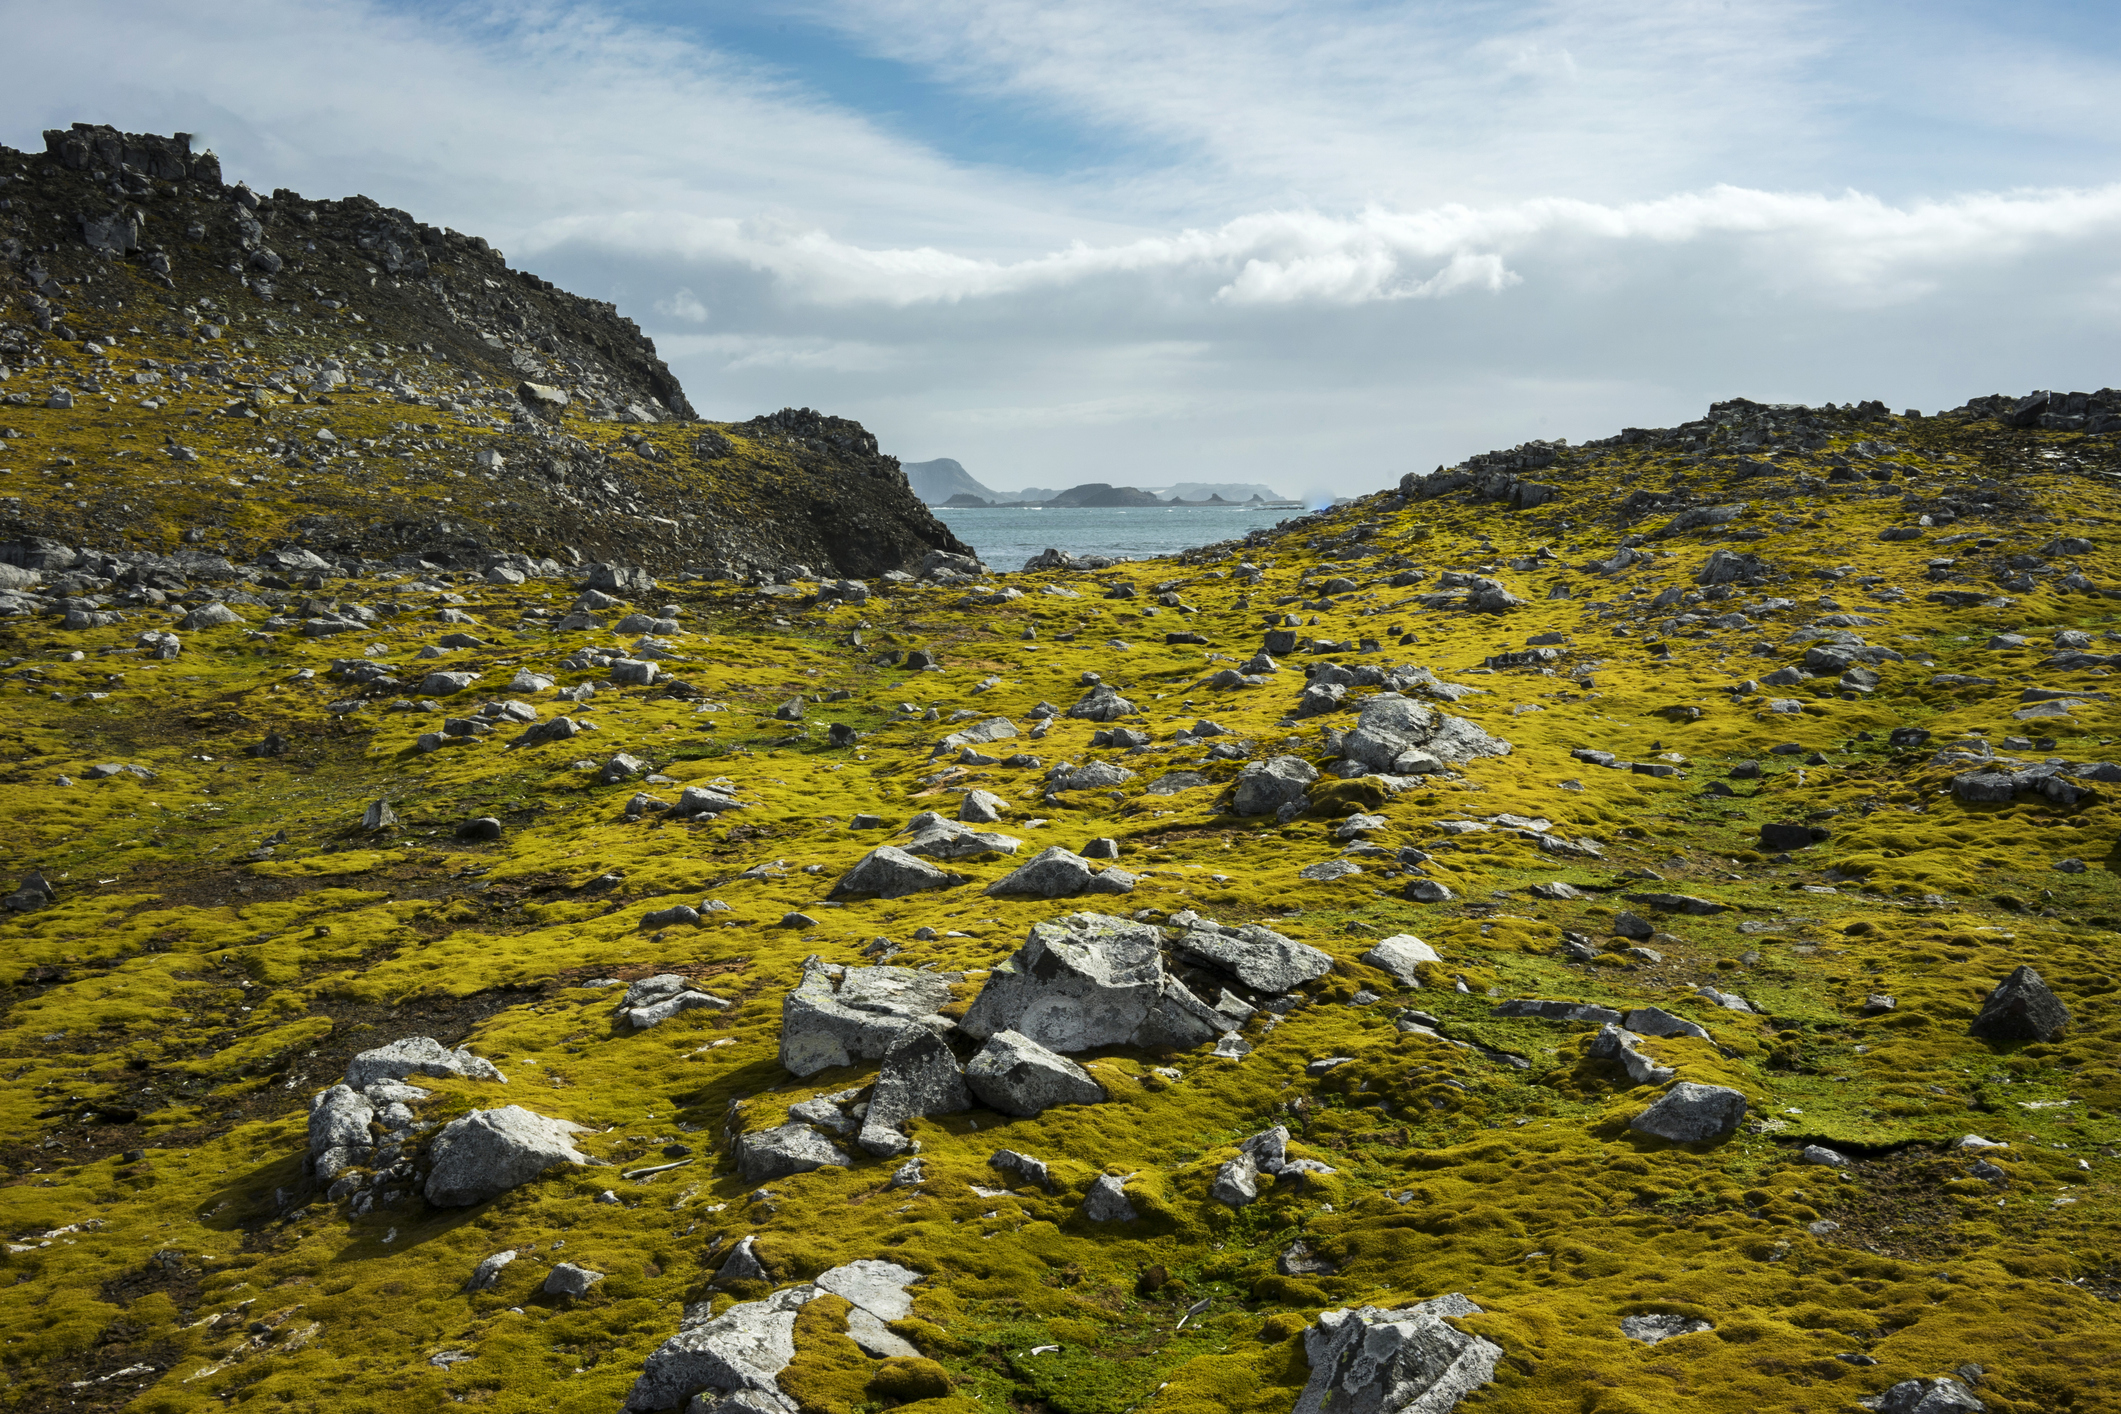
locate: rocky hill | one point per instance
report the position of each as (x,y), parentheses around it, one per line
(1616,926)
(241,372)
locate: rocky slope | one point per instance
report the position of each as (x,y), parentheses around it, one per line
(1612,927)
(239,371)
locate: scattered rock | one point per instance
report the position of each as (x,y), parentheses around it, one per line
(1056,872)
(790,1149)
(919,1076)
(1106,1202)
(885,872)
(1653,1328)
(567,1279)
(838,1015)
(2021,1009)
(1402,955)
(1692,1114)
(487,1275)
(1406,1358)
(488,1152)
(1014,1074)
(1090,980)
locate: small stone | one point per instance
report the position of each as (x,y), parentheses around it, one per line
(1824,1157)
(1106,1202)
(1652,1329)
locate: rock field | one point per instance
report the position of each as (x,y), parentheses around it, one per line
(1608,927)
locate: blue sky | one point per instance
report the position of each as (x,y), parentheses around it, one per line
(1314,245)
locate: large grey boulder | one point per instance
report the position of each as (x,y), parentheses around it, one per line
(1397,735)
(1106,1202)
(736,1354)
(654,1000)
(981,807)
(1014,1074)
(1379,1361)
(885,872)
(1102,703)
(1090,980)
(1692,1114)
(2021,1009)
(1266,787)
(1058,872)
(338,1131)
(488,1152)
(919,1077)
(1236,1182)
(418,1055)
(792,1148)
(1254,956)
(838,1015)
(936,837)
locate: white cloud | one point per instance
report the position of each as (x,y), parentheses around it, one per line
(1313,246)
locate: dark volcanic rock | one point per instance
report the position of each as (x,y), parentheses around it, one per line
(2021,1009)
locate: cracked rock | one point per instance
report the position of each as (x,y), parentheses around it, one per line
(488,1152)
(1014,1074)
(1368,1360)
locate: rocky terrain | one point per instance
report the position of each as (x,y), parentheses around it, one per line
(1606,927)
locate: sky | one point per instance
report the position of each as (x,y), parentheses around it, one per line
(1311,245)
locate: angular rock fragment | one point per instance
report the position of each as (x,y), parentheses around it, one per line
(1613,1044)
(2021,1009)
(654,1000)
(885,872)
(1253,956)
(1014,1074)
(487,1275)
(838,1015)
(418,1055)
(1692,1114)
(567,1279)
(919,1076)
(789,1149)
(1268,787)
(1106,1202)
(488,1152)
(1369,1360)
(1025,1170)
(1402,955)
(1091,980)
(735,1356)
(1651,1329)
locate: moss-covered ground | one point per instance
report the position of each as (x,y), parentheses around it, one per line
(225,935)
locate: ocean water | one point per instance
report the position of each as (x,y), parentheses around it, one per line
(1006,536)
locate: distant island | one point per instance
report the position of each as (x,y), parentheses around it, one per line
(945,482)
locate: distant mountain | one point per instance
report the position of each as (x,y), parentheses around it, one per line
(937,481)
(1228,490)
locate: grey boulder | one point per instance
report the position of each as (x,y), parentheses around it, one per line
(1106,1202)
(1398,735)
(838,1015)
(919,1077)
(885,872)
(1613,1044)
(2021,1009)
(418,1055)
(1090,980)
(735,1356)
(1102,703)
(1265,787)
(1402,956)
(338,1131)
(654,1000)
(790,1149)
(1378,1361)
(1692,1114)
(935,837)
(981,807)
(1254,956)
(1653,1328)
(567,1279)
(1017,1076)
(487,1275)
(1058,872)
(488,1152)
(1943,1395)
